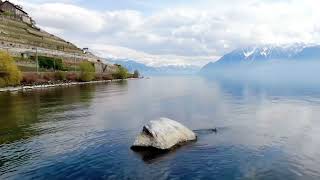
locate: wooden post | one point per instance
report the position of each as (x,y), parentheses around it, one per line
(54,65)
(37,61)
(74,55)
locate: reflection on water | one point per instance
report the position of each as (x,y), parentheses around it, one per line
(153,155)
(263,131)
(19,111)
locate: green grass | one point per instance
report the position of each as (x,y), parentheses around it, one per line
(27,69)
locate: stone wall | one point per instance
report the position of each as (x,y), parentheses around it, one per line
(25,51)
(105,68)
(21,40)
(17,49)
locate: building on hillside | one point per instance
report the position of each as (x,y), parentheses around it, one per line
(1,11)
(10,9)
(85,50)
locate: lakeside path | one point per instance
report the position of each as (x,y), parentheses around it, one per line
(24,88)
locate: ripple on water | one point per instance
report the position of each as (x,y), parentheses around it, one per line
(86,132)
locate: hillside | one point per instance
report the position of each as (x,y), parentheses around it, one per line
(23,40)
(15,33)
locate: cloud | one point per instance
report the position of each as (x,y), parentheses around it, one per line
(187,31)
(110,51)
(68,17)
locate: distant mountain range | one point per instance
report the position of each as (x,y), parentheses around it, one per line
(144,69)
(256,54)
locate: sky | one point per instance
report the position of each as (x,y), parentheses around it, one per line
(179,32)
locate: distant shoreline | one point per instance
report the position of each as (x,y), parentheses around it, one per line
(46,86)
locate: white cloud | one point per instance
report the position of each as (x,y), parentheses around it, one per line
(149,59)
(189,33)
(68,17)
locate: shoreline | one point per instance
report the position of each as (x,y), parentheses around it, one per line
(25,88)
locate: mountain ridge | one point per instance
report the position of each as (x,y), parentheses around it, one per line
(132,65)
(265,53)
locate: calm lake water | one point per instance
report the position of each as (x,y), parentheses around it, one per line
(85,132)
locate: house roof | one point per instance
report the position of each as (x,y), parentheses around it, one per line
(15,6)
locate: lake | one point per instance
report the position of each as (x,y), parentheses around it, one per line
(264,131)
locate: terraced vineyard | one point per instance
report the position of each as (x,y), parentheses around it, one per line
(12,31)
(24,42)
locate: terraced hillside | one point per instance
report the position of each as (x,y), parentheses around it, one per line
(24,42)
(13,31)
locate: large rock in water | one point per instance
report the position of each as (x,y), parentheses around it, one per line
(163,134)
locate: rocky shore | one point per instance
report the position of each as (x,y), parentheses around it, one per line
(51,85)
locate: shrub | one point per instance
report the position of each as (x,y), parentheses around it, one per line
(98,77)
(107,77)
(136,74)
(87,71)
(122,73)
(48,76)
(62,76)
(10,75)
(30,78)
(70,68)
(50,63)
(72,77)
(2,82)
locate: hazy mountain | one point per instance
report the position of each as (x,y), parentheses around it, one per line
(177,69)
(132,65)
(309,53)
(256,54)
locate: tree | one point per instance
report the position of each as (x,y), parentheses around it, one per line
(136,74)
(122,73)
(50,63)
(10,75)
(87,71)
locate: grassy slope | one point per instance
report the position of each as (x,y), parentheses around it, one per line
(18,32)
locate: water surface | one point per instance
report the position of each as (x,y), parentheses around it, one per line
(85,132)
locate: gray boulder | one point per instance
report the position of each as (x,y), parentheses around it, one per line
(163,134)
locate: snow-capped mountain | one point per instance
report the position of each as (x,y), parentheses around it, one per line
(132,65)
(255,54)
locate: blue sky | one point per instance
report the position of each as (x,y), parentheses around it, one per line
(179,32)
